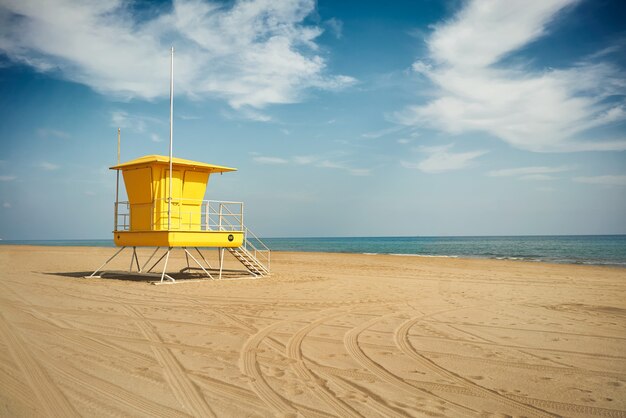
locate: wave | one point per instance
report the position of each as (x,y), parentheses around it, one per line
(426,255)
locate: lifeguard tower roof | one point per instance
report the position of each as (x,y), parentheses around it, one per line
(151,159)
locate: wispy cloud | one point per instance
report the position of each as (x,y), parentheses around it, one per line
(336,27)
(526,172)
(132,122)
(7,178)
(549,110)
(344,167)
(270,160)
(246,113)
(189,117)
(250,53)
(383,132)
(610,180)
(305,159)
(52,133)
(6,205)
(155,138)
(48,166)
(538,177)
(314,161)
(440,159)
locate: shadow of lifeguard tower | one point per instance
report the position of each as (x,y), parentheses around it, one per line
(165,218)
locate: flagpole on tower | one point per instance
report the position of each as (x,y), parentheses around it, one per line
(169,200)
(117,184)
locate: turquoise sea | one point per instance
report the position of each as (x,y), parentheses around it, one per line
(573,249)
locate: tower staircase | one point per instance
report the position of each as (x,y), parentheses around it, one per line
(253,254)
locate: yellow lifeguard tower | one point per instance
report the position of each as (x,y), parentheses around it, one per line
(151,218)
(166,209)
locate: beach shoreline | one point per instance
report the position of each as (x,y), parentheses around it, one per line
(570,249)
(328,334)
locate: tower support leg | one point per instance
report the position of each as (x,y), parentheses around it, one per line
(204,259)
(157,262)
(105,263)
(188,254)
(221,253)
(187,257)
(146,263)
(167,257)
(135,259)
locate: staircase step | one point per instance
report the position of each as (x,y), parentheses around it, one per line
(249,261)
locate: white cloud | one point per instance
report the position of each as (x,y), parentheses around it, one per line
(304,159)
(155,138)
(189,117)
(48,166)
(609,180)
(247,113)
(542,111)
(250,53)
(344,167)
(54,133)
(485,30)
(6,205)
(7,178)
(134,123)
(314,161)
(270,160)
(526,171)
(336,27)
(440,159)
(382,132)
(538,177)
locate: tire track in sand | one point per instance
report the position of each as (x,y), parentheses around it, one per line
(51,399)
(184,389)
(575,408)
(250,367)
(402,342)
(110,392)
(354,349)
(294,351)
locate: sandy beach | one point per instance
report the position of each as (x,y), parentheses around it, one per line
(326,335)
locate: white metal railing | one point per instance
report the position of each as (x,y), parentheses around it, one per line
(122,216)
(192,215)
(256,247)
(186,215)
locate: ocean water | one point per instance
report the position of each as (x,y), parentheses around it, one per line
(581,249)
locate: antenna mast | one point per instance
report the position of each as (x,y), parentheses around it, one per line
(169,202)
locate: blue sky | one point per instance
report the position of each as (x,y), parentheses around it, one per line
(344,118)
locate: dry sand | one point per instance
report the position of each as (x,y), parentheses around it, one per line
(326,335)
